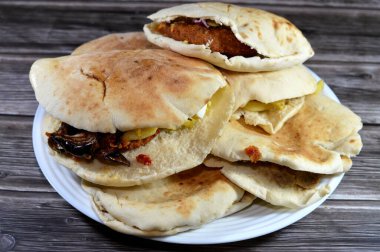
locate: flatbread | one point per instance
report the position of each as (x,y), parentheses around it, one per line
(352,145)
(270,35)
(290,84)
(273,183)
(170,151)
(116,41)
(271,120)
(313,140)
(175,204)
(124,90)
(267,87)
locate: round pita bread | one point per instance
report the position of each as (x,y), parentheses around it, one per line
(275,184)
(313,140)
(116,41)
(175,204)
(124,90)
(170,151)
(272,36)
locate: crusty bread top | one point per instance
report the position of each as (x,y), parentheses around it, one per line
(124,90)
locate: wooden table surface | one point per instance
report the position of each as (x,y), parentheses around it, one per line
(345,36)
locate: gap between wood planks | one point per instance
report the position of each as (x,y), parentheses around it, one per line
(116,5)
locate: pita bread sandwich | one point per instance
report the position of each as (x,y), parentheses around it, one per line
(174,204)
(189,198)
(229,36)
(116,41)
(269,99)
(318,139)
(123,118)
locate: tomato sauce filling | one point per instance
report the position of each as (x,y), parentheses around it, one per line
(253,153)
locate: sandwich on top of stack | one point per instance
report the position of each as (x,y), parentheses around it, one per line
(166,142)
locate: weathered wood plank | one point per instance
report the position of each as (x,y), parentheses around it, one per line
(19,170)
(16,96)
(356,85)
(48,30)
(114,4)
(339,224)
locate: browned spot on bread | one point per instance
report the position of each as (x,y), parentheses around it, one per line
(244,35)
(185,207)
(196,180)
(259,34)
(289,39)
(278,23)
(275,24)
(229,7)
(95,105)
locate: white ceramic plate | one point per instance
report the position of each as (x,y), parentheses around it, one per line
(259,219)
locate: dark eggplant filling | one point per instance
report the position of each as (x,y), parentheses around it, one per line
(219,38)
(84,145)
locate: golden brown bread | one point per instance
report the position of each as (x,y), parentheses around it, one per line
(124,90)
(313,140)
(180,202)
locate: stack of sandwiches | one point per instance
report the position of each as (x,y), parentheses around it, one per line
(193,119)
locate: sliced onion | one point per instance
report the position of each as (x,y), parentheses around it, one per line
(201,20)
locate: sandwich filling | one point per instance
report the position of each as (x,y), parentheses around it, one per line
(107,147)
(80,144)
(219,38)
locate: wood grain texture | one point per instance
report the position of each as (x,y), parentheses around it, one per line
(352,224)
(55,29)
(112,4)
(345,36)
